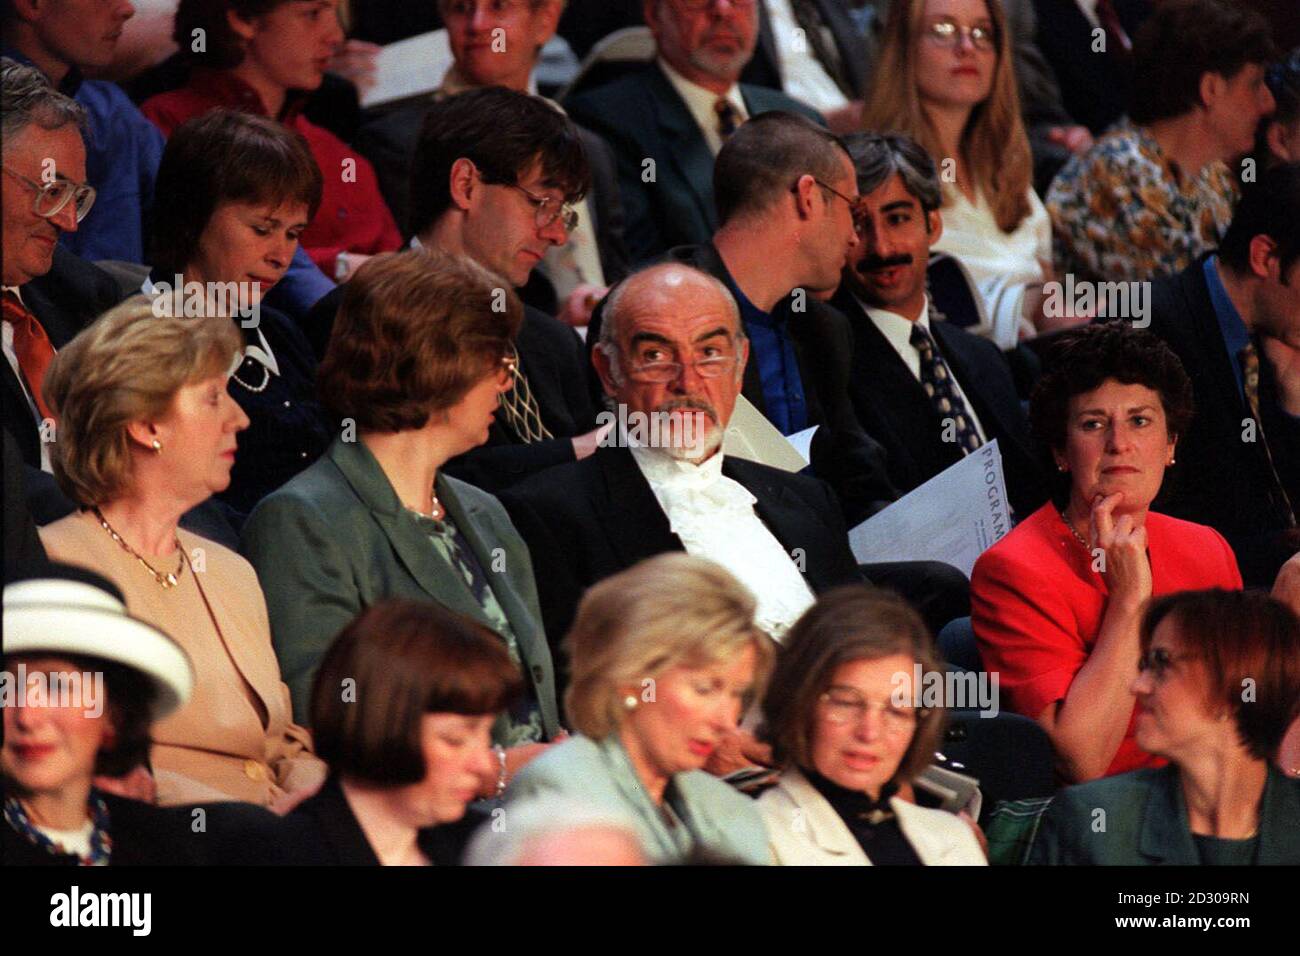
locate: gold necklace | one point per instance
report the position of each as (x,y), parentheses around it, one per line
(166,579)
(1074,531)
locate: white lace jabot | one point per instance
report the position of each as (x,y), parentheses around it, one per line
(714,517)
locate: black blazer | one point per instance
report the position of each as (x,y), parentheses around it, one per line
(1220,479)
(763,68)
(589,519)
(1095,87)
(323,831)
(551,355)
(890,402)
(388,137)
(843,454)
(65,300)
(641,116)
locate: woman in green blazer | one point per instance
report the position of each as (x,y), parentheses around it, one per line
(664,655)
(419,356)
(1218,685)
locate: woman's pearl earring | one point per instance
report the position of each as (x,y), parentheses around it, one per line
(630,702)
(157,447)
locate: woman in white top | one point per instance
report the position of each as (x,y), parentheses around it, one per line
(843,724)
(945,77)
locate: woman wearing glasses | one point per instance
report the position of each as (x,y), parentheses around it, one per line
(263,57)
(945,77)
(414,369)
(845,728)
(1056,603)
(1217,683)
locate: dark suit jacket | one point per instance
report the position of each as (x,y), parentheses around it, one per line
(388,137)
(336,539)
(551,355)
(323,831)
(1146,822)
(641,116)
(65,300)
(1094,86)
(587,520)
(893,407)
(763,68)
(1220,479)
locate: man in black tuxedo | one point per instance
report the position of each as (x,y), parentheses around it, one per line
(49,294)
(574,275)
(1234,320)
(495,175)
(667,120)
(671,356)
(930,391)
(784,187)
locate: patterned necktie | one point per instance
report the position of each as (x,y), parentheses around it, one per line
(938,384)
(522,413)
(823,46)
(32,347)
(728,117)
(1249,358)
(1117,39)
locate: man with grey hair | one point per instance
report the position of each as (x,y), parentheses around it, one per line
(671,360)
(49,294)
(927,389)
(551,830)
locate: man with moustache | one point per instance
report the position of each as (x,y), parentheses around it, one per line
(666,121)
(671,345)
(928,390)
(785,192)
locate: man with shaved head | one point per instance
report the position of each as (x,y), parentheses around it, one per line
(671,358)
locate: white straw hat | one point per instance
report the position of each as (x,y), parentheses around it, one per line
(60,611)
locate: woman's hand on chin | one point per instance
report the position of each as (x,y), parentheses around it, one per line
(1126,567)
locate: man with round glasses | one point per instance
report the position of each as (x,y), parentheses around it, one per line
(49,294)
(495,177)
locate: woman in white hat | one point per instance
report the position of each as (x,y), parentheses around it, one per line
(82,683)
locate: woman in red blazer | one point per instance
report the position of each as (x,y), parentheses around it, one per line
(263,57)
(1056,604)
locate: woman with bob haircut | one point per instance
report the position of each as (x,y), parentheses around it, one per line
(402,711)
(420,352)
(146,431)
(664,656)
(1220,800)
(233,195)
(841,716)
(946,78)
(1056,603)
(264,57)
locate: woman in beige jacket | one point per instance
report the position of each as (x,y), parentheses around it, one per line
(849,735)
(146,431)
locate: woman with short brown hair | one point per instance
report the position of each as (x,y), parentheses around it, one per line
(844,718)
(419,356)
(402,710)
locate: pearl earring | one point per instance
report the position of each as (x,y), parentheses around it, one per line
(630,702)
(157,447)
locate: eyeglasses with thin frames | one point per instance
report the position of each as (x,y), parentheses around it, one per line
(857,205)
(849,707)
(52,197)
(946,33)
(465,9)
(695,6)
(549,210)
(659,373)
(1158,660)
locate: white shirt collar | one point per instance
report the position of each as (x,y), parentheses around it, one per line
(15,290)
(662,469)
(699,102)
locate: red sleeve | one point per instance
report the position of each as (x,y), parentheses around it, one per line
(1026,630)
(159,111)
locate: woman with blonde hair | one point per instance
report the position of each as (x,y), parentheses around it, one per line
(146,431)
(665,656)
(946,78)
